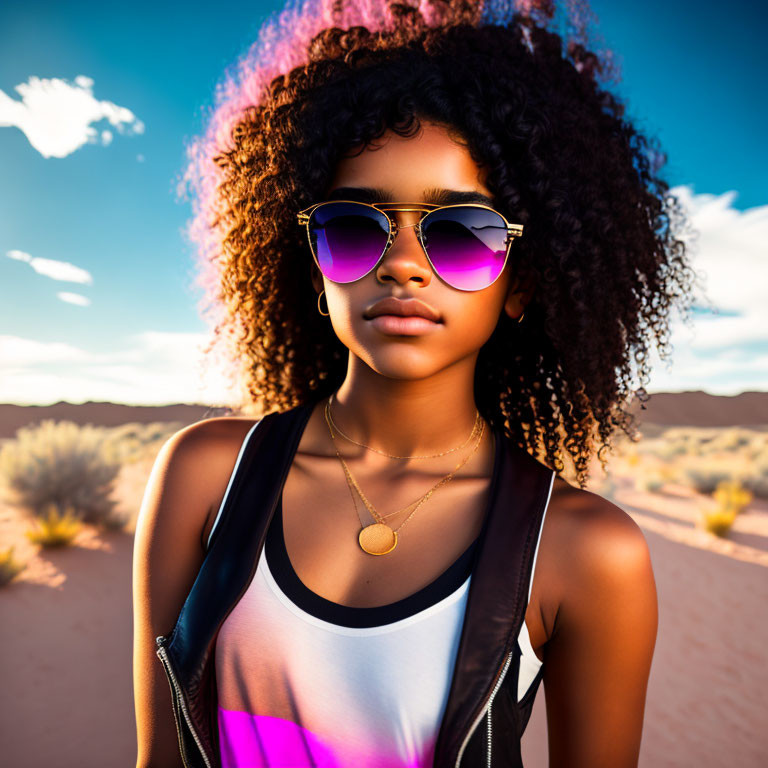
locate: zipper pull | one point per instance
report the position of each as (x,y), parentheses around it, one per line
(160,639)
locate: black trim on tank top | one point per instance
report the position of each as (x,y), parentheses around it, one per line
(289,582)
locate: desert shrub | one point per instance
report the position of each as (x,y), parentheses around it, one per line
(59,463)
(678,441)
(649,483)
(669,449)
(756,478)
(731,498)
(731,440)
(757,484)
(706,479)
(128,443)
(732,495)
(759,448)
(10,567)
(669,473)
(54,528)
(718,520)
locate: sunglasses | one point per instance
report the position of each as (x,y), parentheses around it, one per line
(466,244)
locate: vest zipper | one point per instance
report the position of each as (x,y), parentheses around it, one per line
(486,707)
(163,656)
(490,740)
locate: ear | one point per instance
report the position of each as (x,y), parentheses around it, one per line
(317,278)
(519,294)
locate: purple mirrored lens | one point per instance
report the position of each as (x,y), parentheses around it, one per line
(467,246)
(347,239)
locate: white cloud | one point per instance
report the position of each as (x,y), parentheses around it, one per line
(16,351)
(730,254)
(58,270)
(731,251)
(56,115)
(147,368)
(74,298)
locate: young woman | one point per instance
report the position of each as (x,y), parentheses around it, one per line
(438,251)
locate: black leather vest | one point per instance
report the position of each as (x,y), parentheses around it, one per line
(483,721)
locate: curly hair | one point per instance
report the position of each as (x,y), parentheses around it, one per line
(600,243)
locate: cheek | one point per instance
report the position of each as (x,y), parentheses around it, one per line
(341,306)
(479,312)
(479,318)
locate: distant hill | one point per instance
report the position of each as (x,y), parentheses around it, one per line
(693,409)
(700,409)
(101,414)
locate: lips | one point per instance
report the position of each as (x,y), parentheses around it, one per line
(403,308)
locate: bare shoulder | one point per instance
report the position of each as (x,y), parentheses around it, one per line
(208,451)
(191,472)
(592,534)
(587,544)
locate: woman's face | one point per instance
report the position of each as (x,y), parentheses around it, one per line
(407,168)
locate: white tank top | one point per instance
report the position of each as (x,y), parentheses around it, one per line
(305,682)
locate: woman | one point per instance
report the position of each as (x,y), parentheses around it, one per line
(438,253)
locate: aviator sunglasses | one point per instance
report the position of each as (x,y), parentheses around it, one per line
(466,244)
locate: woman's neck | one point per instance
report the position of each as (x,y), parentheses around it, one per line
(415,417)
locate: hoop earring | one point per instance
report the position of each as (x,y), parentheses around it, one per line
(324,314)
(520,319)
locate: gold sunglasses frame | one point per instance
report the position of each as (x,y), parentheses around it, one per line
(513,230)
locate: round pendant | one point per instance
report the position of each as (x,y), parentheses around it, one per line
(377,539)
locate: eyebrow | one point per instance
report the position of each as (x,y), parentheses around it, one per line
(433,195)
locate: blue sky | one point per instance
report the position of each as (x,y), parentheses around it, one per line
(96,296)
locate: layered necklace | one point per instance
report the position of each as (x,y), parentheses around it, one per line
(379,538)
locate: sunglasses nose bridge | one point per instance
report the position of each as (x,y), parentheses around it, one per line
(395,227)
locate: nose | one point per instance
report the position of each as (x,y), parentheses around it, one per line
(405,260)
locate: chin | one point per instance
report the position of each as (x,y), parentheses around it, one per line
(402,360)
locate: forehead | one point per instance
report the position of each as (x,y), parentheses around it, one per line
(407,167)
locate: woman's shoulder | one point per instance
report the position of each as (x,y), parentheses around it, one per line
(593,546)
(209,447)
(589,525)
(582,506)
(204,455)
(589,520)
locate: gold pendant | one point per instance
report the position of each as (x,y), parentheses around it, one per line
(377,539)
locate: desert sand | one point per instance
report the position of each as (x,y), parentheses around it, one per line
(66,635)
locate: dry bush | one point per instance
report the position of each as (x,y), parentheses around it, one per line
(131,442)
(60,463)
(718,521)
(756,480)
(703,457)
(55,528)
(10,567)
(649,483)
(706,478)
(732,439)
(732,496)
(731,499)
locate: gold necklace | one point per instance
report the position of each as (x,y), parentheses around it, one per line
(377,515)
(378,538)
(432,456)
